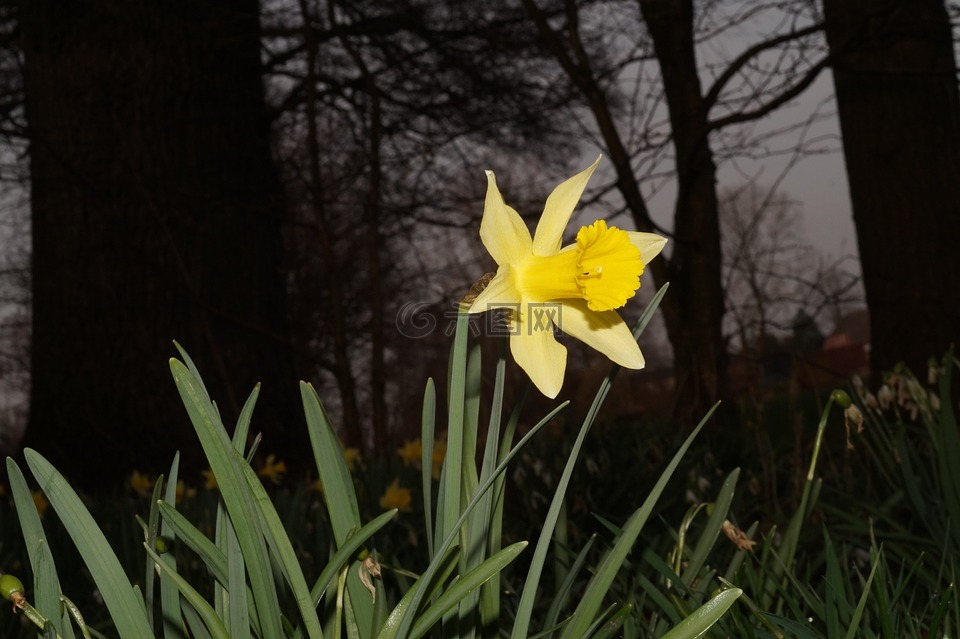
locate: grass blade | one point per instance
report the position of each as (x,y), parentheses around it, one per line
(427,432)
(611,563)
(697,623)
(125,608)
(419,591)
(46,585)
(206,612)
(225,463)
(465,585)
(521,626)
(169,595)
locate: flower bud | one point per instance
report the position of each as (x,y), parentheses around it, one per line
(162,544)
(12,590)
(10,586)
(841,398)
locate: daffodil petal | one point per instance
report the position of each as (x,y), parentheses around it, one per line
(604,331)
(499,293)
(502,230)
(541,356)
(557,212)
(649,244)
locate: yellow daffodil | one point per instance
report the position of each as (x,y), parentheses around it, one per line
(396,497)
(439,453)
(353,458)
(412,455)
(184,491)
(209,481)
(575,288)
(140,483)
(40,501)
(411,452)
(273,470)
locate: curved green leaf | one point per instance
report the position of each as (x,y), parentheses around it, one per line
(701,619)
(209,616)
(125,608)
(465,585)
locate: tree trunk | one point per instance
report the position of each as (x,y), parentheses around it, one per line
(156,216)
(342,369)
(693,307)
(899,111)
(695,319)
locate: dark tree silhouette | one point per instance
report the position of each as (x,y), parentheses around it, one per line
(899,109)
(705,101)
(386,116)
(156,216)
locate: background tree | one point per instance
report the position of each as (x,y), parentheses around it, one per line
(386,116)
(156,216)
(14,240)
(772,275)
(899,108)
(777,287)
(649,95)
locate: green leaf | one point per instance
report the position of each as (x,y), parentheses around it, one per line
(854,628)
(242,430)
(206,612)
(427,430)
(465,585)
(283,551)
(339,495)
(521,626)
(125,609)
(456,398)
(338,491)
(490,511)
(705,616)
(419,590)
(942,606)
(151,532)
(346,551)
(712,530)
(611,563)
(212,556)
(613,625)
(169,595)
(563,592)
(225,463)
(238,621)
(45,582)
(430,583)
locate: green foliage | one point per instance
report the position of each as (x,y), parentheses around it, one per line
(242,561)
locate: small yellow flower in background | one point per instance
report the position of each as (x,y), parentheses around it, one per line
(40,501)
(396,497)
(412,455)
(273,470)
(317,486)
(184,491)
(575,288)
(210,482)
(353,458)
(411,452)
(439,453)
(140,483)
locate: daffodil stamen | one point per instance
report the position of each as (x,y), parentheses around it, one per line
(603,268)
(613,264)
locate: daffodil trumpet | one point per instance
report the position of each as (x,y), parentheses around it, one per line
(575,288)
